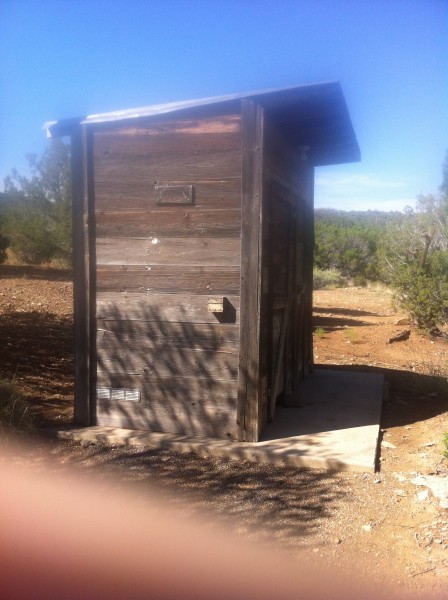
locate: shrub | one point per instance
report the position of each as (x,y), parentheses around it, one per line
(40,231)
(4,240)
(37,209)
(352,335)
(348,242)
(28,227)
(14,410)
(415,260)
(4,244)
(328,279)
(423,292)
(360,281)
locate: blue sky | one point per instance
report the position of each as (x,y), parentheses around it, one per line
(65,58)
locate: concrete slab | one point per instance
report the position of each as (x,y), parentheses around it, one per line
(338,422)
(336,428)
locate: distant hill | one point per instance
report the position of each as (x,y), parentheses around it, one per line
(369,218)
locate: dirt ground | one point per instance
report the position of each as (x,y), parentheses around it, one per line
(380,527)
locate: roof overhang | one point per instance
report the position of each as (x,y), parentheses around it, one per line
(310,115)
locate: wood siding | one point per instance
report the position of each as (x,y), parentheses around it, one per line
(286,303)
(157,267)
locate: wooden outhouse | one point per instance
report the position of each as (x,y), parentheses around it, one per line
(193,256)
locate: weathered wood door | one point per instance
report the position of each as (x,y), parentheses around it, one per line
(168,231)
(285,295)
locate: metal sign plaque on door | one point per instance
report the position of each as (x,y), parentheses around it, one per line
(174,194)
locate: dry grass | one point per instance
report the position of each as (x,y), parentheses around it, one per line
(15,412)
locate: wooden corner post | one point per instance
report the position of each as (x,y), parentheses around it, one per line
(249,385)
(83,276)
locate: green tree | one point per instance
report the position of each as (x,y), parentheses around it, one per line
(444,184)
(415,256)
(348,242)
(4,240)
(38,221)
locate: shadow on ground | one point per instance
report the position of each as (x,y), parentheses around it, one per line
(334,318)
(334,323)
(34,272)
(410,397)
(273,501)
(347,312)
(38,355)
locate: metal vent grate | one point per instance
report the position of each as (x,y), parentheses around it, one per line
(118,394)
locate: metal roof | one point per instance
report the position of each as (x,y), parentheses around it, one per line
(310,115)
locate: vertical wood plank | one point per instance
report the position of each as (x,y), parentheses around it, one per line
(84,272)
(249,387)
(265,339)
(292,293)
(310,261)
(308,276)
(298,351)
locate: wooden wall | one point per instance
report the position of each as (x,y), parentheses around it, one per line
(159,258)
(286,271)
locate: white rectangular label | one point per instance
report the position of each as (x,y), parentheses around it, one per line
(118,394)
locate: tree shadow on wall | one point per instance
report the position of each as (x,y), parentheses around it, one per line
(178,376)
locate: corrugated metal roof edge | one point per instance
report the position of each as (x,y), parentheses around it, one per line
(64,126)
